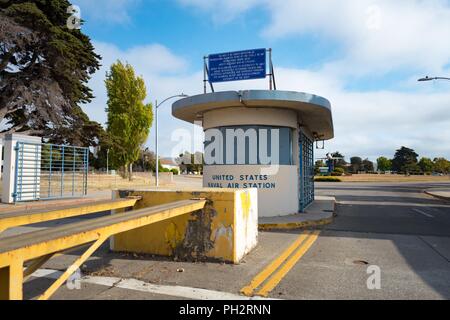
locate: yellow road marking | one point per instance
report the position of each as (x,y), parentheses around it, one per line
(263,275)
(281,273)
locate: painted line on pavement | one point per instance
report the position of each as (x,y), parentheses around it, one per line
(396,204)
(423,213)
(266,272)
(283,271)
(141,286)
(274,265)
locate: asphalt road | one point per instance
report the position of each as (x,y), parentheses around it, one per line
(395,227)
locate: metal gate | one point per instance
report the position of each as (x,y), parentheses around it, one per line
(48,171)
(306,176)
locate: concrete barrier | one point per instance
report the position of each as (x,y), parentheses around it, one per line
(226,230)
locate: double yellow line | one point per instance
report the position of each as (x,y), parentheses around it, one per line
(283,263)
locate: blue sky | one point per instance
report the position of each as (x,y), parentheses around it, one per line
(364,56)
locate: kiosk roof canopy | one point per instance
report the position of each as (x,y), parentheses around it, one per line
(314,111)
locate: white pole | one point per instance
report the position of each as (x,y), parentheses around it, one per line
(156,144)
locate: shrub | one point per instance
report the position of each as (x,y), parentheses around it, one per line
(338,172)
(327,179)
(175,172)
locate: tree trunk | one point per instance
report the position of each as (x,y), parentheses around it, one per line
(124,171)
(130,177)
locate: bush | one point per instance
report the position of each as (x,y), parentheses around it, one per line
(175,172)
(327,179)
(338,172)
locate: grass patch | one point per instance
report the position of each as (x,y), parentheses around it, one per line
(327,179)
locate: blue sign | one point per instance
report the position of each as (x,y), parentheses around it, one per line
(238,65)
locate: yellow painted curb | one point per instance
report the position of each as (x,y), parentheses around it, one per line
(294,225)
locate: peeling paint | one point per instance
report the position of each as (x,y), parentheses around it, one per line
(197,238)
(223,238)
(224,231)
(173,236)
(245,204)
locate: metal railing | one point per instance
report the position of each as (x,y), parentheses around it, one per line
(49,171)
(306,183)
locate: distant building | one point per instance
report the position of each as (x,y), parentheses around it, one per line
(169,164)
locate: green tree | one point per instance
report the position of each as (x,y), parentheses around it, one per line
(441,165)
(356,164)
(339,163)
(426,165)
(367,165)
(191,162)
(129,119)
(44,70)
(384,164)
(405,161)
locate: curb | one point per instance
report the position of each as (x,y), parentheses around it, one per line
(430,193)
(295,225)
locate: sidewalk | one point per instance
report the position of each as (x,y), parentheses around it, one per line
(441,193)
(27,206)
(320,212)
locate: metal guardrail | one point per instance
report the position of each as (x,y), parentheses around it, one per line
(49,171)
(39,246)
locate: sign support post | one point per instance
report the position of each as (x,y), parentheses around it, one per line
(270,69)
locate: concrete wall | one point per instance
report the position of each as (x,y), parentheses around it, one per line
(283,199)
(278,194)
(226,230)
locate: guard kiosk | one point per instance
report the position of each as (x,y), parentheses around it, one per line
(261,139)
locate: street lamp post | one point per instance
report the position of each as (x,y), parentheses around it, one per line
(433,78)
(144,157)
(107,161)
(156,132)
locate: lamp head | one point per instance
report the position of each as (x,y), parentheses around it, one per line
(427,78)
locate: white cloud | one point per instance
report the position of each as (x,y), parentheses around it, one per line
(374,35)
(368,124)
(113,11)
(164,74)
(374,123)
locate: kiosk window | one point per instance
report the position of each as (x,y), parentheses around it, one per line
(248,145)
